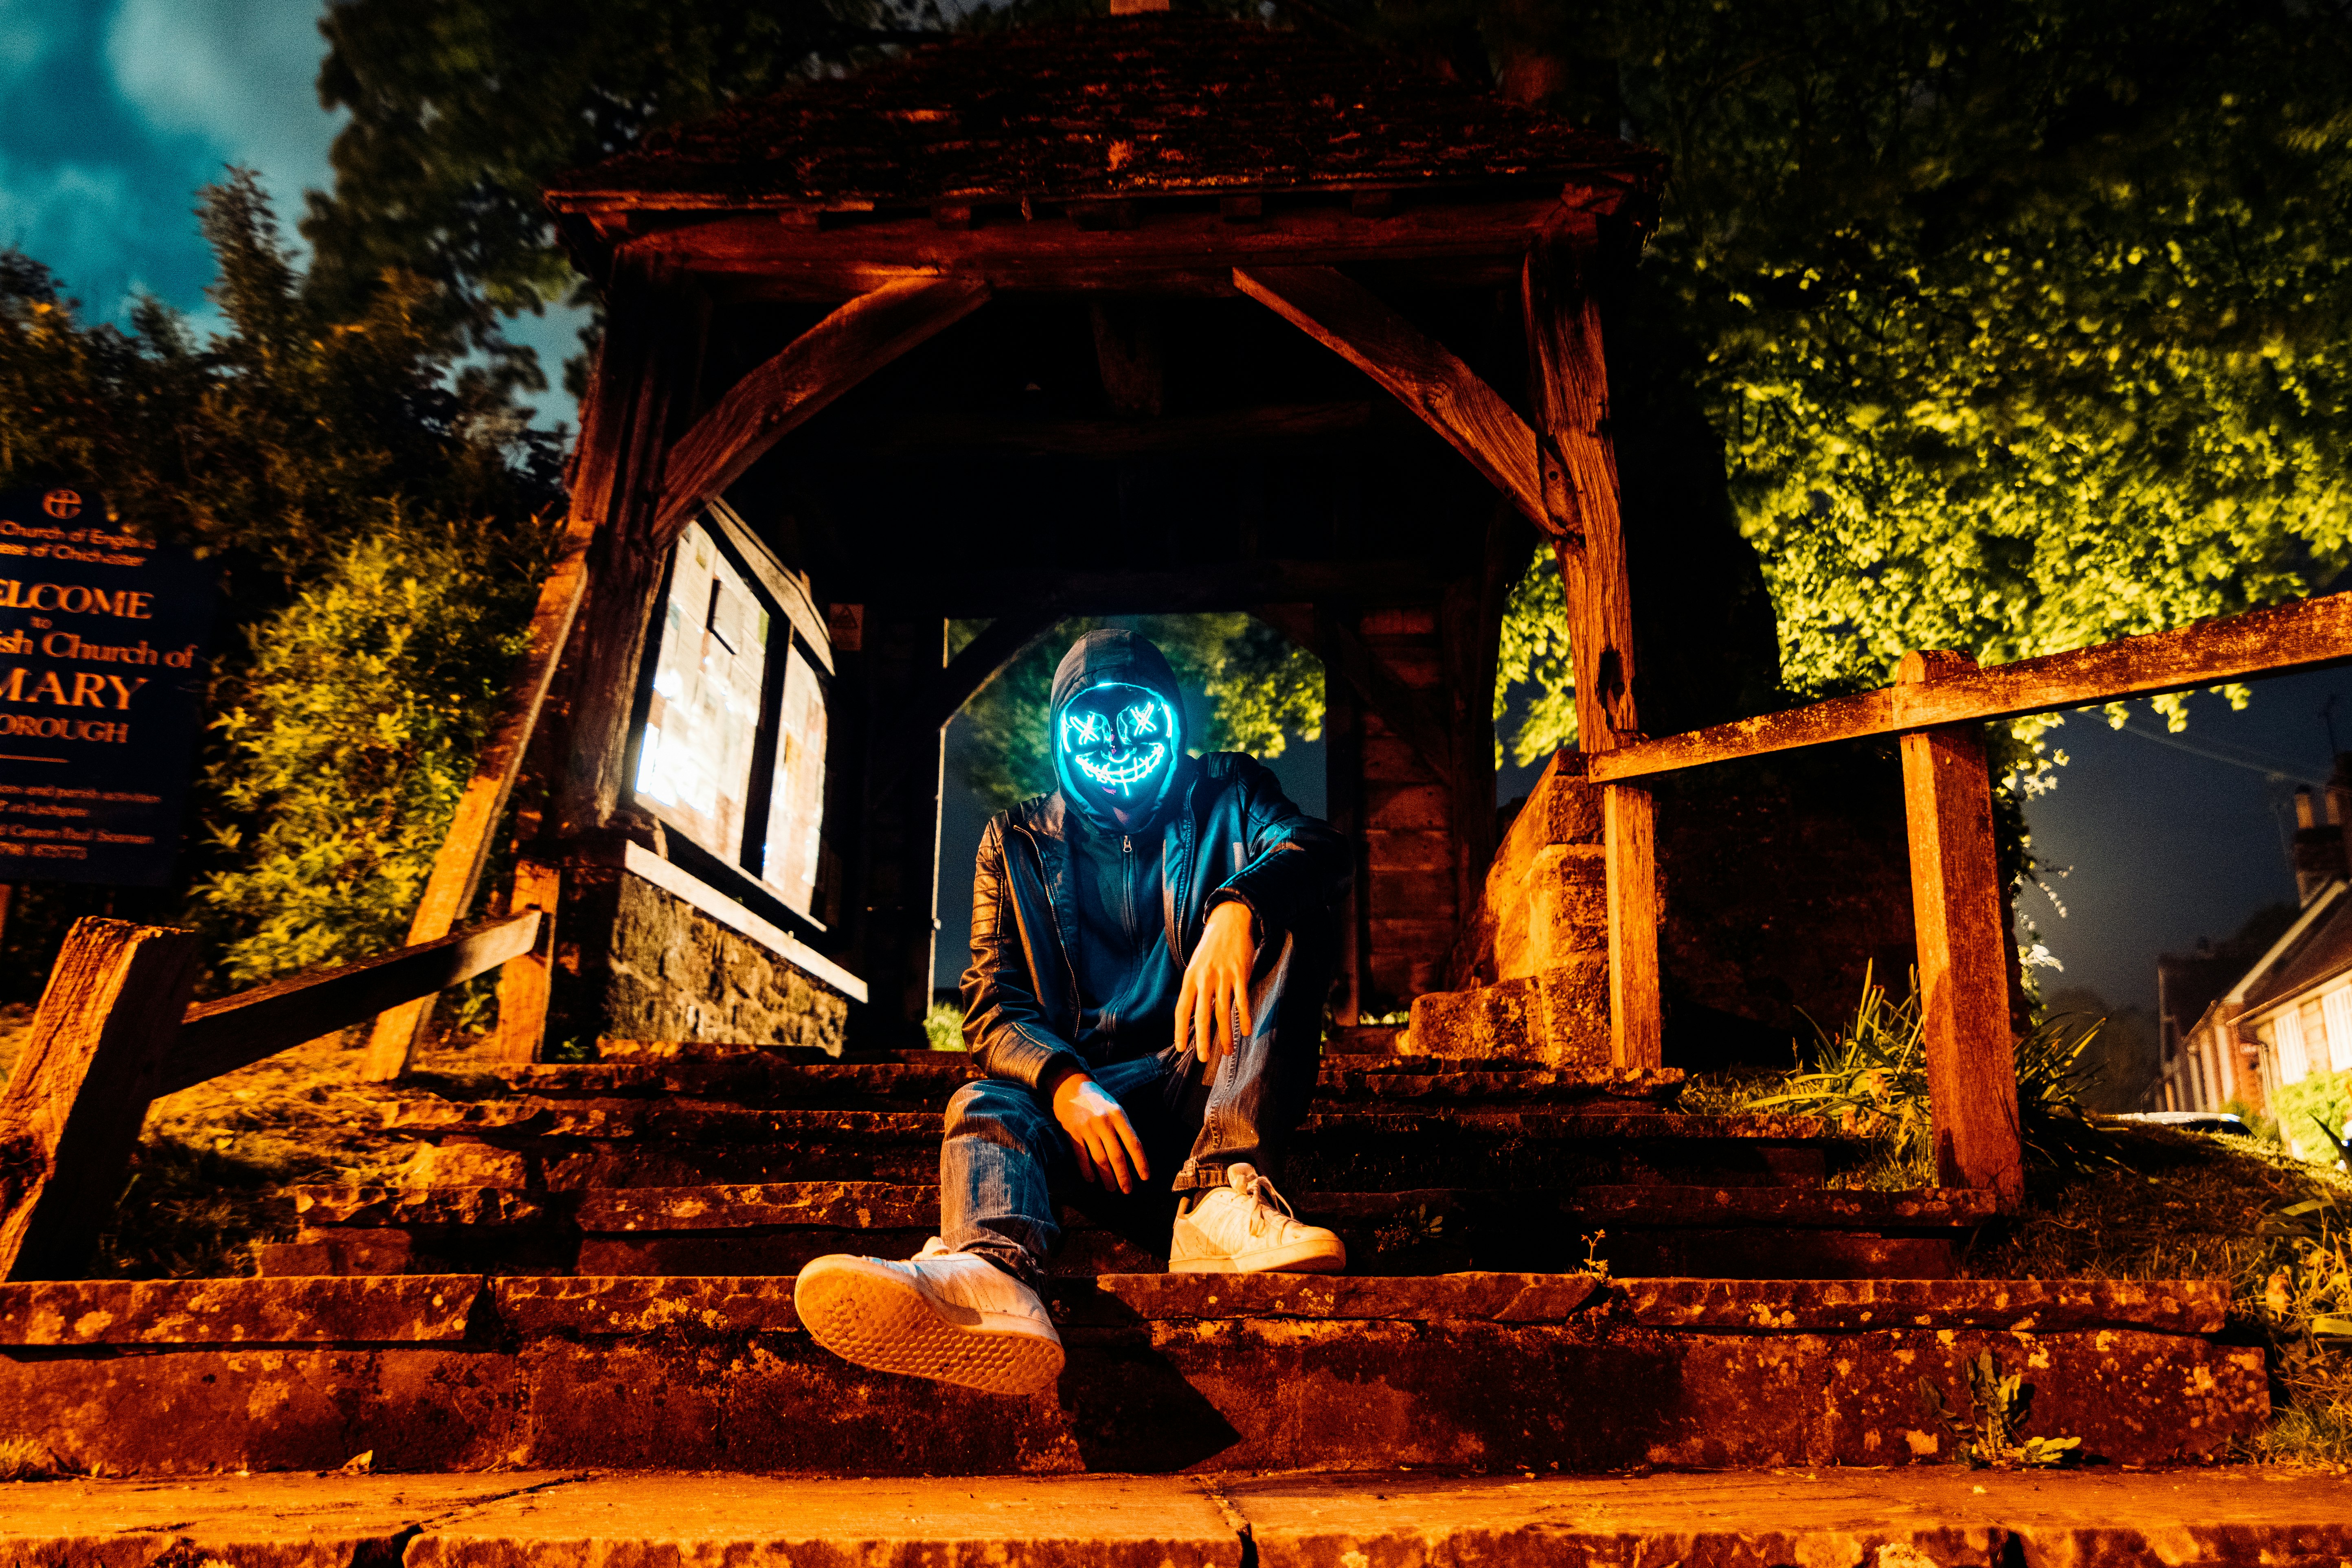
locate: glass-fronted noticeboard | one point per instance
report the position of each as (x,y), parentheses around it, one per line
(731,742)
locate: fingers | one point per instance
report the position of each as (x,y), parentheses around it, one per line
(1085,1161)
(1204,1021)
(1134,1146)
(1184,1000)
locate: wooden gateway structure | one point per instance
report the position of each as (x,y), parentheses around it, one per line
(1154,314)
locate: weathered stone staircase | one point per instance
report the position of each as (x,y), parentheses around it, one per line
(589,1265)
(753,1163)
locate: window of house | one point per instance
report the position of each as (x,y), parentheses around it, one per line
(2312,1022)
(2337,1008)
(730,745)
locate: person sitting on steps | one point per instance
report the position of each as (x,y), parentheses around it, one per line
(1151,946)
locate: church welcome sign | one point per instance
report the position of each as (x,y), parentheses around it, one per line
(102,681)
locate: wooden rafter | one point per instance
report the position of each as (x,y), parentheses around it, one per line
(960,680)
(1424,375)
(804,377)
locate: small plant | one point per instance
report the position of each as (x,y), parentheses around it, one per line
(1992,1440)
(1594,1264)
(944,1026)
(1411,1227)
(1871,1078)
(22,1460)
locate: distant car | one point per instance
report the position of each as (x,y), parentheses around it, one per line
(2189,1121)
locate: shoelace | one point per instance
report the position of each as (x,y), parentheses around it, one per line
(1260,1190)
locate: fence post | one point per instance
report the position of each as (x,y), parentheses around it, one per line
(1962,929)
(70,1115)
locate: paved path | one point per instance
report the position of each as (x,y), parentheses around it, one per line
(1823,1519)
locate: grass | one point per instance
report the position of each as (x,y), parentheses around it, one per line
(2112,1201)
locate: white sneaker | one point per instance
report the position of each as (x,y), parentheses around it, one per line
(951,1316)
(1238,1229)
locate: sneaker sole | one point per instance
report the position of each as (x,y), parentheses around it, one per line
(1299,1257)
(873,1317)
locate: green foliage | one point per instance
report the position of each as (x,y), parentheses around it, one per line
(354,731)
(1871,1078)
(1991,1438)
(943,1027)
(1252,689)
(1533,652)
(2320,1103)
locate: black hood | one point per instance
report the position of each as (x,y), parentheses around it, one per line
(1124,658)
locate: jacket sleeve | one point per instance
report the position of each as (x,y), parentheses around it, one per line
(1005,1025)
(1296,864)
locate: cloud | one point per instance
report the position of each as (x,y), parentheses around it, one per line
(242,74)
(24,40)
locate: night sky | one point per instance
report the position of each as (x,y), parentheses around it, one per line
(112,113)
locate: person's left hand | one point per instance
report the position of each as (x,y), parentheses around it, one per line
(1216,985)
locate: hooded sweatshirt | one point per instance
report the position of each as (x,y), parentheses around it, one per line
(1128,980)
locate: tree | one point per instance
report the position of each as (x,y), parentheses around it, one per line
(2023,326)
(374,511)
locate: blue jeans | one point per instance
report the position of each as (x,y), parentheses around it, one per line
(1005,1160)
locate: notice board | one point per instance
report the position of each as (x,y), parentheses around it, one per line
(103,666)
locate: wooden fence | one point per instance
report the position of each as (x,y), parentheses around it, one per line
(114,1032)
(1937,707)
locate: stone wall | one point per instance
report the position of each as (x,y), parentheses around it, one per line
(635,962)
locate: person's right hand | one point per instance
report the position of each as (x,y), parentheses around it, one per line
(1104,1140)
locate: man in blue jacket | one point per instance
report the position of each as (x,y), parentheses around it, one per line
(1151,944)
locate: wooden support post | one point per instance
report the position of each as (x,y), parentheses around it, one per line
(1581,500)
(527,983)
(1630,836)
(70,1115)
(1958,912)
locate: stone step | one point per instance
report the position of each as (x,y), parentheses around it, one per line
(758,1080)
(563,1518)
(777,1227)
(537,1141)
(456,1372)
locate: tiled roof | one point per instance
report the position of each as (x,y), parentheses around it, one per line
(2322,950)
(1151,105)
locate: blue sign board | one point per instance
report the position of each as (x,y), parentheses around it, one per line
(102,665)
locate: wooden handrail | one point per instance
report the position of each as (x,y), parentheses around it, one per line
(2301,636)
(253,1026)
(114,1032)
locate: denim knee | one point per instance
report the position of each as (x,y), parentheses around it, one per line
(1001,1112)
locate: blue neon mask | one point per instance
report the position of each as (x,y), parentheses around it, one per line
(1116,727)
(1118,742)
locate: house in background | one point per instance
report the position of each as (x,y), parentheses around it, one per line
(2235,1032)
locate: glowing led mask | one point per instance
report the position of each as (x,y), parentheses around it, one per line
(1119,741)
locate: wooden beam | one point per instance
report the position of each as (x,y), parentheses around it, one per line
(465,849)
(1420,372)
(1962,920)
(636,403)
(70,1116)
(1464,244)
(1128,355)
(793,386)
(2302,636)
(1570,384)
(1219,585)
(1109,440)
(254,1026)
